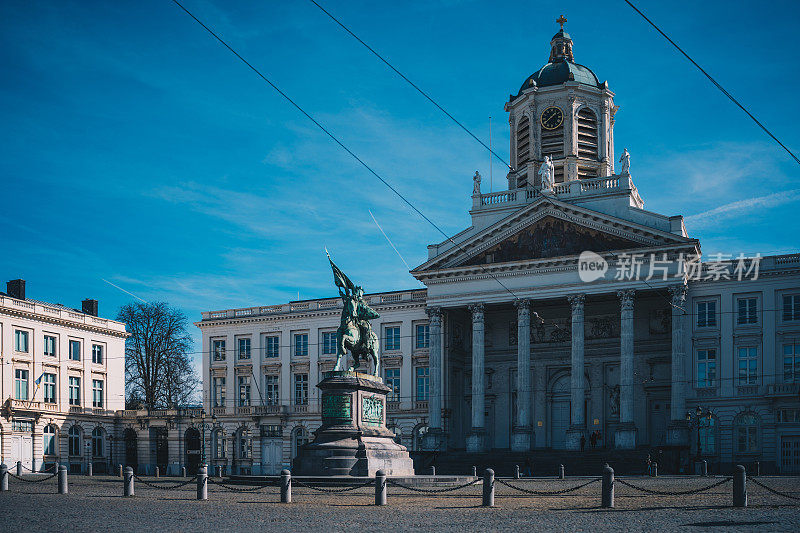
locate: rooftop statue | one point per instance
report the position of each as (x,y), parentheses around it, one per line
(476,184)
(547,173)
(625,159)
(355,332)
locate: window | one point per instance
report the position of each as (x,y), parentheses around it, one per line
(791,307)
(271,389)
(218,392)
(97,442)
(244,348)
(748,365)
(271,346)
(299,439)
(49,346)
(393,381)
(218,350)
(746,313)
(392,338)
(746,435)
(74,440)
(97,354)
(791,362)
(707,314)
(244,391)
(20,384)
(423,336)
(49,440)
(301,389)
(21,340)
(423,383)
(49,381)
(244,444)
(74,390)
(97,393)
(75,350)
(706,368)
(217,444)
(25,426)
(271,430)
(523,140)
(301,344)
(789,416)
(708,441)
(328,342)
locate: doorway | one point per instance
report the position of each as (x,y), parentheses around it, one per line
(271,456)
(192,443)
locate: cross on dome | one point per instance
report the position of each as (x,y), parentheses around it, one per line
(561,20)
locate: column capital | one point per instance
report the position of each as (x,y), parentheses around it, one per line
(435,315)
(678,293)
(576,301)
(626,298)
(477,312)
(523,307)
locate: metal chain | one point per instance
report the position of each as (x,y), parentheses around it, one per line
(164,487)
(545,492)
(237,489)
(51,476)
(39,472)
(320,489)
(770,489)
(671,493)
(432,491)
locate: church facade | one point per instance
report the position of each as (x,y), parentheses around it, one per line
(565,314)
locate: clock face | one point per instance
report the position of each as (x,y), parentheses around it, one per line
(552,118)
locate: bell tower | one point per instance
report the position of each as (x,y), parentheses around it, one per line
(562,111)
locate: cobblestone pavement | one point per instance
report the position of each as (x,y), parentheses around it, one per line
(97,504)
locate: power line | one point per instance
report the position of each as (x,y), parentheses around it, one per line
(414,85)
(337,141)
(713,81)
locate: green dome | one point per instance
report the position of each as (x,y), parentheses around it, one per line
(559,72)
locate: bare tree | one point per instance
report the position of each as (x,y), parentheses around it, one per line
(158,367)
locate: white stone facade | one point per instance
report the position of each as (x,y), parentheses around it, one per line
(78,358)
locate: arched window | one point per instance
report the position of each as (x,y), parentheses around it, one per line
(523,140)
(98,442)
(418,436)
(243,443)
(708,436)
(746,433)
(49,440)
(299,439)
(74,441)
(218,444)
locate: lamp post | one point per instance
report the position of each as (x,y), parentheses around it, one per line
(694,420)
(203,426)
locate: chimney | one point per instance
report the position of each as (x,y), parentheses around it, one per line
(16,288)
(89,307)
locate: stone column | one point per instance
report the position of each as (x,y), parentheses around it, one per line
(521,435)
(678,430)
(476,440)
(625,437)
(540,406)
(577,428)
(433,438)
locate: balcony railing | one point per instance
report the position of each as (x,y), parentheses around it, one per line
(57,312)
(784,389)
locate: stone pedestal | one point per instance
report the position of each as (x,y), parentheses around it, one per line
(476,440)
(521,439)
(353,439)
(625,436)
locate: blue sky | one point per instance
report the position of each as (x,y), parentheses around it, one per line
(136,149)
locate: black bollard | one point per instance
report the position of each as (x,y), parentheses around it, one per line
(286,486)
(63,486)
(19,468)
(488,488)
(202,483)
(655,469)
(607,498)
(739,487)
(380,487)
(3,477)
(516,471)
(704,468)
(560,471)
(127,483)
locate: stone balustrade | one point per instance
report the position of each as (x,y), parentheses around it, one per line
(61,313)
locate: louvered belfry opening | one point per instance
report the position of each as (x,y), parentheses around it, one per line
(553,142)
(523,141)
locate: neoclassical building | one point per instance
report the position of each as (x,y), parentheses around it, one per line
(565,310)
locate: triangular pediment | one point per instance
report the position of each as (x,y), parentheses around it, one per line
(548,230)
(550,237)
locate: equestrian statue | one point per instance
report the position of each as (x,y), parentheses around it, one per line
(355,332)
